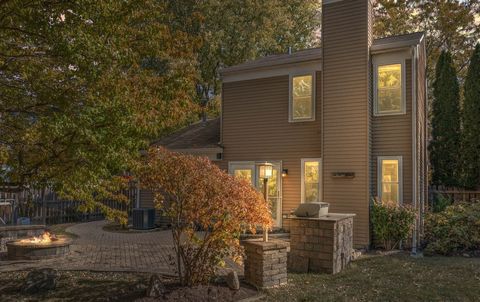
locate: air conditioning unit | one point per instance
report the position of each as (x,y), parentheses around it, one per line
(143,218)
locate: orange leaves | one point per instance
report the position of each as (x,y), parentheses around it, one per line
(207,207)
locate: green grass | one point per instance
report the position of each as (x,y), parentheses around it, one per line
(388,278)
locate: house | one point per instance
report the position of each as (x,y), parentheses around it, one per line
(343,123)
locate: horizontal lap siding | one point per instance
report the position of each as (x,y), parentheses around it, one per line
(392,136)
(255,127)
(346,39)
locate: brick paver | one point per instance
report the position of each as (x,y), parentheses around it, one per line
(98,250)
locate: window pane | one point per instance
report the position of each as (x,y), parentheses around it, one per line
(390,170)
(311,172)
(302,92)
(390,192)
(389,86)
(311,179)
(311,192)
(245,174)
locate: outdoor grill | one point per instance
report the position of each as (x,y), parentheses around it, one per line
(312,209)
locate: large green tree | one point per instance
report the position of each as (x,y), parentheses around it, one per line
(446,136)
(84,85)
(233,32)
(471,123)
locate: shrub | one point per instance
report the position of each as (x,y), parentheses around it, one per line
(440,202)
(391,223)
(453,231)
(207,207)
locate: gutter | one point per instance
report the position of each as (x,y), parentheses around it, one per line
(414,147)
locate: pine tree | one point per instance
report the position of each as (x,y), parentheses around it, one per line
(471,123)
(445,144)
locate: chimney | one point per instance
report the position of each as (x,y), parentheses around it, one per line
(346,41)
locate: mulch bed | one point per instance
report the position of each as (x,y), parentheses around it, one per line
(114,286)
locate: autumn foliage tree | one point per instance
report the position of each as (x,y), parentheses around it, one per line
(207,207)
(84,85)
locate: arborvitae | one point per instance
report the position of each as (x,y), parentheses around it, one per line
(471,123)
(445,144)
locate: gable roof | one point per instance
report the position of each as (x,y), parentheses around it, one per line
(315,54)
(305,55)
(196,136)
(399,41)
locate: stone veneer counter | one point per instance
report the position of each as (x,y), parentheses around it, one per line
(322,244)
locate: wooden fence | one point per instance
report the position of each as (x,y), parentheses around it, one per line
(454,194)
(54,210)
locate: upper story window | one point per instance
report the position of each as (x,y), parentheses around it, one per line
(302,96)
(389,90)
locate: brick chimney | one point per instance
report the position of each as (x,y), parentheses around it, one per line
(346,41)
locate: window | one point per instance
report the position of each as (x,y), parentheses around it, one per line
(389,94)
(311,180)
(390,179)
(302,105)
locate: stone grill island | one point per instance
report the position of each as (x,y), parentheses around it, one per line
(320,244)
(42,247)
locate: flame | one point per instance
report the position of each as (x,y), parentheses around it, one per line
(44,238)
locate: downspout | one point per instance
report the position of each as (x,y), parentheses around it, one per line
(414,146)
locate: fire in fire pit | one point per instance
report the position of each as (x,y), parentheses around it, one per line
(44,246)
(45,238)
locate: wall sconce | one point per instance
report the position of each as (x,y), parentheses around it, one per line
(284,172)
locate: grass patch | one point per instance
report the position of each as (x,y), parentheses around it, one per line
(388,278)
(77,286)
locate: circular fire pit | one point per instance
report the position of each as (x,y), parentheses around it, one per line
(27,249)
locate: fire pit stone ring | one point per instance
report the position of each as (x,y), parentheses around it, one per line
(23,249)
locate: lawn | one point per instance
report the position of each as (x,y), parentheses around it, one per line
(389,278)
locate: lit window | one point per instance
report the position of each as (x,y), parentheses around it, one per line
(389,94)
(389,179)
(311,176)
(302,107)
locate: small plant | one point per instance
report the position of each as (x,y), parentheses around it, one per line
(391,223)
(453,231)
(440,203)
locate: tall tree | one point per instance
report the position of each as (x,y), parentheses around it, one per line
(446,136)
(84,85)
(233,32)
(471,123)
(453,25)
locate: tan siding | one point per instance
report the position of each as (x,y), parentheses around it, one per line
(255,127)
(392,136)
(146,198)
(346,40)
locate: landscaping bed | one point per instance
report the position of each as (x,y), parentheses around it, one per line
(396,277)
(113,286)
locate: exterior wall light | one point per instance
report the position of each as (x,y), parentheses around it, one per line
(284,172)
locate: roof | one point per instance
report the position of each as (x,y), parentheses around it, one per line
(311,54)
(196,136)
(315,54)
(397,41)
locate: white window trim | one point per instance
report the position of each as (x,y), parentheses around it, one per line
(403,107)
(290,96)
(320,182)
(400,176)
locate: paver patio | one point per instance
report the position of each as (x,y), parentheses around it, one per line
(98,250)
